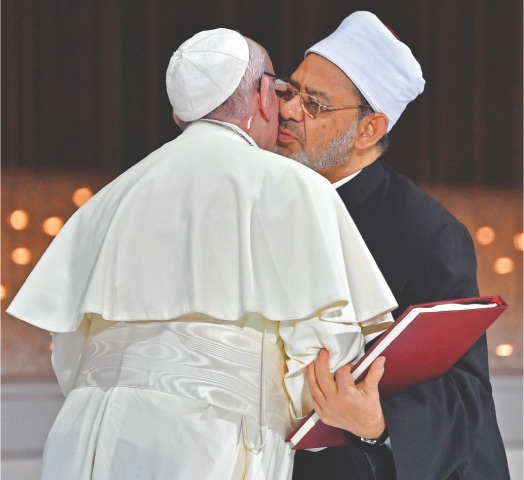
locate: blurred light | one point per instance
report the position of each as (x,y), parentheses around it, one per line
(21,256)
(52,225)
(485,235)
(517,241)
(81,196)
(50,346)
(503,265)
(3,292)
(19,219)
(504,350)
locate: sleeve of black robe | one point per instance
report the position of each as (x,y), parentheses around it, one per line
(438,427)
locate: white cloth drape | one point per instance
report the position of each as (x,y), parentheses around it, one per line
(206,224)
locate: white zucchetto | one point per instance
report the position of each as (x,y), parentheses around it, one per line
(376,61)
(205,71)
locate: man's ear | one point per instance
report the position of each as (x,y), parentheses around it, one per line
(179,122)
(264,100)
(371,129)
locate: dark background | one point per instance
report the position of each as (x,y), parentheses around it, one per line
(83,81)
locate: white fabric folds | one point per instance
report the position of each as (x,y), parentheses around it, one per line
(206,224)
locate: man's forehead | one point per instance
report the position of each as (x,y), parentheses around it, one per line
(319,77)
(307,84)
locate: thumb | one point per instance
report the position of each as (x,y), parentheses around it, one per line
(375,373)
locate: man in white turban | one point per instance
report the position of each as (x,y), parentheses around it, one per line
(183,292)
(337,110)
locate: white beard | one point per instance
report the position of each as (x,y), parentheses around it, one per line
(334,152)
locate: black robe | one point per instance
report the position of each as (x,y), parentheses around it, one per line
(444,429)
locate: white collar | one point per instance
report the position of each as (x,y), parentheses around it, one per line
(344,180)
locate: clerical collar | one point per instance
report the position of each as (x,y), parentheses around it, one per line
(344,180)
(228,126)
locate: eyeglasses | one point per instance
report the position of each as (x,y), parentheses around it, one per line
(269,74)
(310,105)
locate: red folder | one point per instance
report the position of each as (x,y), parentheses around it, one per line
(422,344)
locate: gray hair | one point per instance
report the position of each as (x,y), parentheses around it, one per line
(240,104)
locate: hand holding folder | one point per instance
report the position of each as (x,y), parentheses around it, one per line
(422,344)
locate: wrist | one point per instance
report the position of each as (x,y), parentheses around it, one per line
(376,441)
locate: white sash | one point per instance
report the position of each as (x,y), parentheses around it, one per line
(219,364)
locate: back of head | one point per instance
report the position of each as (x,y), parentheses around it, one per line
(204,72)
(376,61)
(240,104)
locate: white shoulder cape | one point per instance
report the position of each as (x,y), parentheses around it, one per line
(205,224)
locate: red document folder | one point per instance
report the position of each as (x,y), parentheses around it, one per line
(422,344)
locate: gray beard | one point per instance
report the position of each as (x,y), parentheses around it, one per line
(333,153)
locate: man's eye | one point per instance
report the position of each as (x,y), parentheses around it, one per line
(289,94)
(310,103)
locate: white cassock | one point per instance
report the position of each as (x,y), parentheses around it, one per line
(186,299)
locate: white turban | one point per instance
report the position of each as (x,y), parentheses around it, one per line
(376,61)
(205,71)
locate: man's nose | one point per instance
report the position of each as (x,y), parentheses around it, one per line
(292,110)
